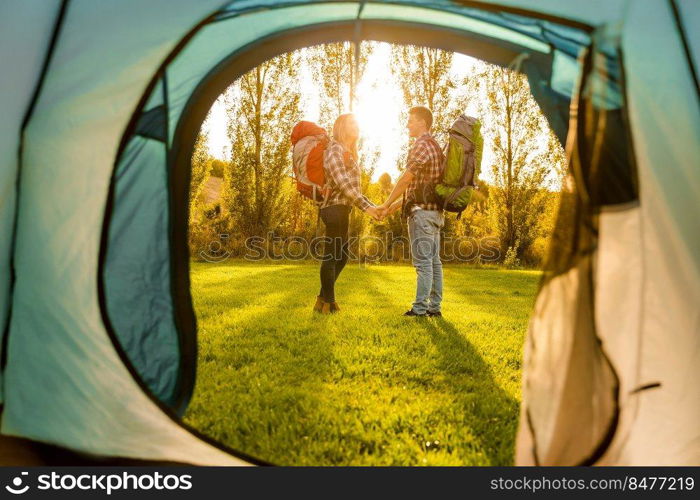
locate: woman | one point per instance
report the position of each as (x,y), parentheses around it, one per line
(343,180)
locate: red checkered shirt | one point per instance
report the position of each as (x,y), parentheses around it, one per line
(343,177)
(425,162)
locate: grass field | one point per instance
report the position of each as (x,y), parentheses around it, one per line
(365,386)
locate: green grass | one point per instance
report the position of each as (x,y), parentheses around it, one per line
(365,386)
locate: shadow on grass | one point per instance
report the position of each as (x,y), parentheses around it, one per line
(488,411)
(260,374)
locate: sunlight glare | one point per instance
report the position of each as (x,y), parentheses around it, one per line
(379,105)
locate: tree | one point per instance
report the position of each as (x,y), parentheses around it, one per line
(217,168)
(205,222)
(425,79)
(262,106)
(523,165)
(338,75)
(200,172)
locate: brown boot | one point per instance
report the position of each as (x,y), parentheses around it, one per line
(330,308)
(318,306)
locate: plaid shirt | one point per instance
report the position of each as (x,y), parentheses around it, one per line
(343,177)
(425,162)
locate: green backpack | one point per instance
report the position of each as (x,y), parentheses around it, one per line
(462,164)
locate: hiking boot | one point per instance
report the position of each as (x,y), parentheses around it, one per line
(414,314)
(318,306)
(329,308)
(436,314)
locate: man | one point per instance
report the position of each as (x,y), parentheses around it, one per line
(425,219)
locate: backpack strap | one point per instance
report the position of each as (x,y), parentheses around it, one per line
(440,148)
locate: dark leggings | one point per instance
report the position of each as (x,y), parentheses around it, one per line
(335,255)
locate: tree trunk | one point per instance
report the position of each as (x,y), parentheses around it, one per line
(257,160)
(509,162)
(351,65)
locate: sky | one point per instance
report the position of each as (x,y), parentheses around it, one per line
(379,104)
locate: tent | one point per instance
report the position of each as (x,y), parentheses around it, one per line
(101,105)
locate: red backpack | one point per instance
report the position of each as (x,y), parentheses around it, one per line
(309,142)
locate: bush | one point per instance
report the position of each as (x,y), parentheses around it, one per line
(217,168)
(536,253)
(201,241)
(511,260)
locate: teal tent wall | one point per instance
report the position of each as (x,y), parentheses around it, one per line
(28,25)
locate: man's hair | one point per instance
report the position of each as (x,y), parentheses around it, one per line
(423,113)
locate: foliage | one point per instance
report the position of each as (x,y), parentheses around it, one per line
(262,106)
(217,168)
(511,260)
(201,164)
(335,68)
(425,79)
(367,386)
(521,170)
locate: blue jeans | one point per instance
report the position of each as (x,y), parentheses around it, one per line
(424,232)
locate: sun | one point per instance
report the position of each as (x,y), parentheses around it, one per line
(378,108)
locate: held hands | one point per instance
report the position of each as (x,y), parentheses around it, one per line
(382,211)
(375,213)
(387,210)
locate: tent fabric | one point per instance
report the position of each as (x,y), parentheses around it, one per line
(137,268)
(28,25)
(153,124)
(136,271)
(646,268)
(665,119)
(570,384)
(688,12)
(97,339)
